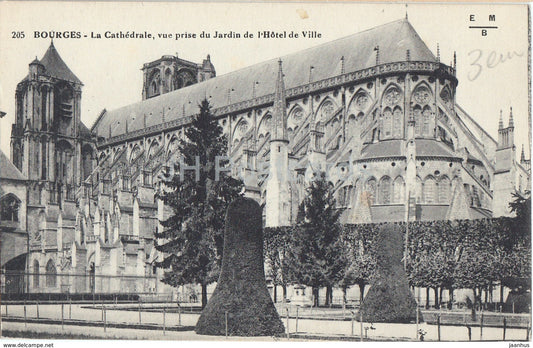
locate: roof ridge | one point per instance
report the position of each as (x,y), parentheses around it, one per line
(307,49)
(249,67)
(357,48)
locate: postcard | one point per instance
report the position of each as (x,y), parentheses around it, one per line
(234,171)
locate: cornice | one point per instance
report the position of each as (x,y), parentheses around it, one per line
(296,92)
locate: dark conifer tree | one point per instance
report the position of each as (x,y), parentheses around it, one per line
(318,256)
(193,235)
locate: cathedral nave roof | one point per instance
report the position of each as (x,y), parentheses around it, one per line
(358,51)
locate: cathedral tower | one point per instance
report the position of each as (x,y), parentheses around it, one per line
(278,210)
(170,73)
(48,138)
(505,169)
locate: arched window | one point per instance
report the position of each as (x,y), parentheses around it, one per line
(63,165)
(475,196)
(339,142)
(51,274)
(35,273)
(387,123)
(341,197)
(361,119)
(397,122)
(427,121)
(351,121)
(154,87)
(44,108)
(153,150)
(135,153)
(326,111)
(370,189)
(444,190)
(385,190)
(168,80)
(44,168)
(63,103)
(398,190)
(346,195)
(417,114)
(9,208)
(429,190)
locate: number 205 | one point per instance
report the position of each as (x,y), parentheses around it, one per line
(17,35)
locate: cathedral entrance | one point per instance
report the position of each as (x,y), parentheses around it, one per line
(13,274)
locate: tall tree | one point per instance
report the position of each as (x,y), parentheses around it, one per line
(276,244)
(198,194)
(521,206)
(432,257)
(317,255)
(518,276)
(361,268)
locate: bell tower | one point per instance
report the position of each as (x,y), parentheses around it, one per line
(47,137)
(170,73)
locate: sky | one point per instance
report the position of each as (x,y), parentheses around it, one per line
(491,69)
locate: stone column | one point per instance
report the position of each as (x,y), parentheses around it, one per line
(26,157)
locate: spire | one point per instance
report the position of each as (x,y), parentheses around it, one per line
(438,52)
(56,67)
(406,13)
(408,55)
(377,54)
(454,60)
(522,155)
(511,122)
(500,124)
(342,65)
(280,109)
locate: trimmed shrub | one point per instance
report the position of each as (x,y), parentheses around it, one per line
(521,301)
(389,299)
(241,291)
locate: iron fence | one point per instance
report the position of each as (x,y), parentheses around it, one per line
(19,282)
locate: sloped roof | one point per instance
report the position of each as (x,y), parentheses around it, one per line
(8,169)
(56,67)
(387,148)
(432,148)
(393,39)
(395,148)
(84,131)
